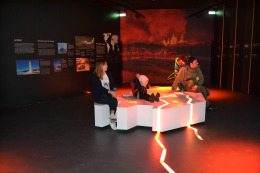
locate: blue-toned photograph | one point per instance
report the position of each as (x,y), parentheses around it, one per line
(27,67)
(62,48)
(57,65)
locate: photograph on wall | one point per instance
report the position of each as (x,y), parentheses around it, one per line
(62,48)
(111,43)
(151,45)
(27,67)
(57,65)
(85,43)
(82,64)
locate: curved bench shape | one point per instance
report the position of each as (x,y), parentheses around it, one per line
(135,112)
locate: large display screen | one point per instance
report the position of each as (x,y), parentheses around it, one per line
(151,44)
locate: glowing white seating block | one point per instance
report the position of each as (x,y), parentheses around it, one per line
(102,113)
(133,112)
(178,113)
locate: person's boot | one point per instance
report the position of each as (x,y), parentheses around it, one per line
(146,97)
(211,108)
(157,97)
(151,98)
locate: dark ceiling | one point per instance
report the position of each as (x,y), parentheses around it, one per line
(135,5)
(141,4)
(160,4)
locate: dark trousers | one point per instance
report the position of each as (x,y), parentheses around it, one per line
(204,91)
(108,99)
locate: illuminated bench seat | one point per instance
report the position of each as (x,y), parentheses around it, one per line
(178,113)
(101,115)
(101,112)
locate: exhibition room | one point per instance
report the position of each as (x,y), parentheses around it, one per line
(91,86)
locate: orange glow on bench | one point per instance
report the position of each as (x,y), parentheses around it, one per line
(133,102)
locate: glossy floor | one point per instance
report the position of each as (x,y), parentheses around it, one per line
(60,137)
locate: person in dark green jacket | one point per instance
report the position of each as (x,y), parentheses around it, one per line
(191,78)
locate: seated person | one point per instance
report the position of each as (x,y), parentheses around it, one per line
(180,62)
(192,79)
(139,88)
(103,89)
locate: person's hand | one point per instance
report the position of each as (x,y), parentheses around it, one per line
(113,93)
(194,88)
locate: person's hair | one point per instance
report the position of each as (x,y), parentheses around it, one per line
(187,55)
(99,68)
(191,59)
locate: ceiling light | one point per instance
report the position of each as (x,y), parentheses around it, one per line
(122,14)
(212,12)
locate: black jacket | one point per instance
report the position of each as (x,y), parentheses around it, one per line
(96,86)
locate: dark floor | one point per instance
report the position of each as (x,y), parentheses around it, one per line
(60,136)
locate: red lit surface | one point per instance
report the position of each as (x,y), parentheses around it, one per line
(60,137)
(217,94)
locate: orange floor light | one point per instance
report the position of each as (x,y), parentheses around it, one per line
(163,155)
(191,113)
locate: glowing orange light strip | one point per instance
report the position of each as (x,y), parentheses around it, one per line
(191,113)
(163,155)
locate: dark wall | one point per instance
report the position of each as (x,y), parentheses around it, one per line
(58,21)
(235,74)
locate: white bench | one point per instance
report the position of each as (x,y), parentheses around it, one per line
(178,113)
(133,112)
(102,113)
(136,115)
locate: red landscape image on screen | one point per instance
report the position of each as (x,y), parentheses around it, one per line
(151,44)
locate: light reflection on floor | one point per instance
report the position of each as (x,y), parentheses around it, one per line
(225,156)
(60,136)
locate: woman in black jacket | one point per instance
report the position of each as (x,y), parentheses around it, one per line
(103,89)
